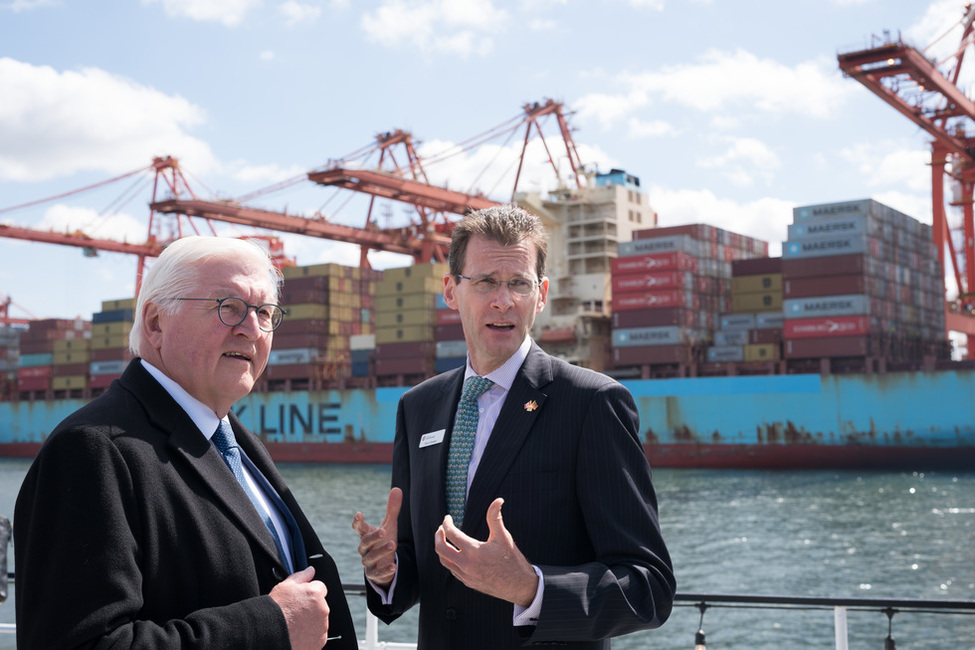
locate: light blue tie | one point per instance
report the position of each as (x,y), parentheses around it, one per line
(226,443)
(461,446)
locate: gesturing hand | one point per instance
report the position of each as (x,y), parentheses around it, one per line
(495,567)
(377,546)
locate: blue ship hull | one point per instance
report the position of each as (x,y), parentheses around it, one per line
(911,421)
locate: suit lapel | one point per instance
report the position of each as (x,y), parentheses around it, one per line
(186,442)
(522,406)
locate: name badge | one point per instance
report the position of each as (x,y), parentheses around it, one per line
(432,438)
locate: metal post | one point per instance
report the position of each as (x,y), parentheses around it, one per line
(839,625)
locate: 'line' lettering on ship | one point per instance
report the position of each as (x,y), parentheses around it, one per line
(294,419)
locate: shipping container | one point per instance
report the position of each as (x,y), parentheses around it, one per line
(829,285)
(841,305)
(651,262)
(840,346)
(725,354)
(665,335)
(650,355)
(655,317)
(831,326)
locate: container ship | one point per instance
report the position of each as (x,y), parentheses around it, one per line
(833,355)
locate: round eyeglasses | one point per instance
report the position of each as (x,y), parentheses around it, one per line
(232,312)
(517,286)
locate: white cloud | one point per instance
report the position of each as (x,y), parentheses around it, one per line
(743,159)
(27,5)
(469,25)
(885,164)
(229,12)
(656,5)
(56,123)
(766,219)
(266,55)
(63,218)
(298,12)
(723,81)
(650,129)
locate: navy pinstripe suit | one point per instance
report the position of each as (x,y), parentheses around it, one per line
(579,504)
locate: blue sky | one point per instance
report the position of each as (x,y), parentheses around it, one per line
(731,112)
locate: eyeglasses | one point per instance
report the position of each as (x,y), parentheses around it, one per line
(517,286)
(232,312)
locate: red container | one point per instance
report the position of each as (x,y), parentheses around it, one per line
(829,326)
(765,335)
(676,261)
(291,296)
(828,285)
(641,282)
(301,326)
(808,267)
(309,282)
(405,366)
(842,346)
(69,369)
(447,317)
(406,350)
(101,381)
(317,340)
(650,354)
(34,372)
(36,347)
(655,317)
(756,266)
(673,298)
(450,332)
(36,383)
(699,231)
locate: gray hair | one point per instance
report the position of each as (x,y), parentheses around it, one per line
(505,224)
(174,274)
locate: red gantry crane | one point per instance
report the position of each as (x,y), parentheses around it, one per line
(926,92)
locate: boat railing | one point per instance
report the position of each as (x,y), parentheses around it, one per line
(704,601)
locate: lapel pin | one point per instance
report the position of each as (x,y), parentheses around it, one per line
(531,406)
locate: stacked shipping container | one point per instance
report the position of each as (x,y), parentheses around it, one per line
(326,305)
(109,347)
(46,363)
(860,279)
(753,330)
(406,322)
(670,287)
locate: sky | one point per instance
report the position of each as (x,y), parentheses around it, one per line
(730,112)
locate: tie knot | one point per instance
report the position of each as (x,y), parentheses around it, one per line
(475,386)
(224,438)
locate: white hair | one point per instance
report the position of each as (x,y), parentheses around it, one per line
(174,274)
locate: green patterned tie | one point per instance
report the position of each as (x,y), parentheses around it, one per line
(461,446)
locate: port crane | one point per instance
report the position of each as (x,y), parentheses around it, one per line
(425,239)
(926,92)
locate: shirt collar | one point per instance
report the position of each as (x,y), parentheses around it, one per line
(203,416)
(505,374)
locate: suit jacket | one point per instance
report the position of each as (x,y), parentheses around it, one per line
(579,504)
(131,533)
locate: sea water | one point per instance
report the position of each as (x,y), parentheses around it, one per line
(802,533)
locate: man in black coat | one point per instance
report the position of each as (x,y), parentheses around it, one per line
(132,531)
(578,556)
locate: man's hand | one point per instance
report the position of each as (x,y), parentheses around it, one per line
(377,546)
(495,567)
(302,600)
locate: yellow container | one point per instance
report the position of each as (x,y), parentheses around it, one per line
(417,284)
(405,317)
(71,382)
(72,345)
(111,329)
(755,302)
(411,333)
(107,342)
(756,283)
(428,270)
(67,358)
(306,310)
(762,352)
(410,301)
(115,305)
(330,270)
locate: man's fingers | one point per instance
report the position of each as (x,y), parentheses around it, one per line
(393,505)
(305,575)
(494,520)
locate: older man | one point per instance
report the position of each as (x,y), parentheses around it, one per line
(151,518)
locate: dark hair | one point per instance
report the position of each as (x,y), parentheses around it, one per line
(505,224)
